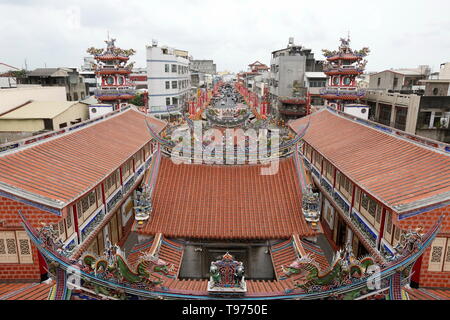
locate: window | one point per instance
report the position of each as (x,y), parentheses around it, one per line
(127,168)
(395,82)
(112,183)
(138,158)
(24,247)
(369,208)
(388,227)
(378,217)
(69,223)
(357,198)
(397,236)
(328,169)
(174,84)
(174,68)
(175,101)
(435,91)
(437,119)
(440,255)
(345,186)
(365,201)
(166,68)
(167,84)
(15,247)
(318,160)
(372,208)
(8,247)
(87,205)
(379,82)
(167,101)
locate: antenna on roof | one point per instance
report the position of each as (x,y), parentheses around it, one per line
(107,33)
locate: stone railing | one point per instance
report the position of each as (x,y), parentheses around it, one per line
(364,229)
(114,92)
(343,92)
(227,121)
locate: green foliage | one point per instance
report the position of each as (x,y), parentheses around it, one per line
(138,100)
(19,74)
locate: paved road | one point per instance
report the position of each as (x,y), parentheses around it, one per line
(229,103)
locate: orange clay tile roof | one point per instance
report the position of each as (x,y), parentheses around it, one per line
(428,294)
(170,252)
(316,254)
(283,254)
(254,287)
(226,202)
(400,173)
(62,169)
(137,251)
(25,291)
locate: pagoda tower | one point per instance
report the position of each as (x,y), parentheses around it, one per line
(342,67)
(114,86)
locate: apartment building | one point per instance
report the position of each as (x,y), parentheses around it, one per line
(288,92)
(63,77)
(169,80)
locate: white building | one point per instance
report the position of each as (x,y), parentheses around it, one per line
(169,80)
(445,71)
(6,79)
(139,78)
(88,73)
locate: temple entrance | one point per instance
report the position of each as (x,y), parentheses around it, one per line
(256,258)
(340,232)
(362,251)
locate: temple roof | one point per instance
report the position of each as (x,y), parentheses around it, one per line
(226,202)
(59,170)
(402,174)
(25,291)
(428,294)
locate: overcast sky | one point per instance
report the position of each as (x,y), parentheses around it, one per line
(234,33)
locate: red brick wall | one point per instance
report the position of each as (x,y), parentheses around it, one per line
(126,230)
(10,221)
(21,272)
(428,220)
(431,279)
(9,209)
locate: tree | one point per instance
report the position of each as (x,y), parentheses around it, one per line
(19,74)
(138,100)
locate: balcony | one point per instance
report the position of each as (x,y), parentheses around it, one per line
(114,94)
(350,70)
(113,71)
(345,56)
(342,93)
(293,111)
